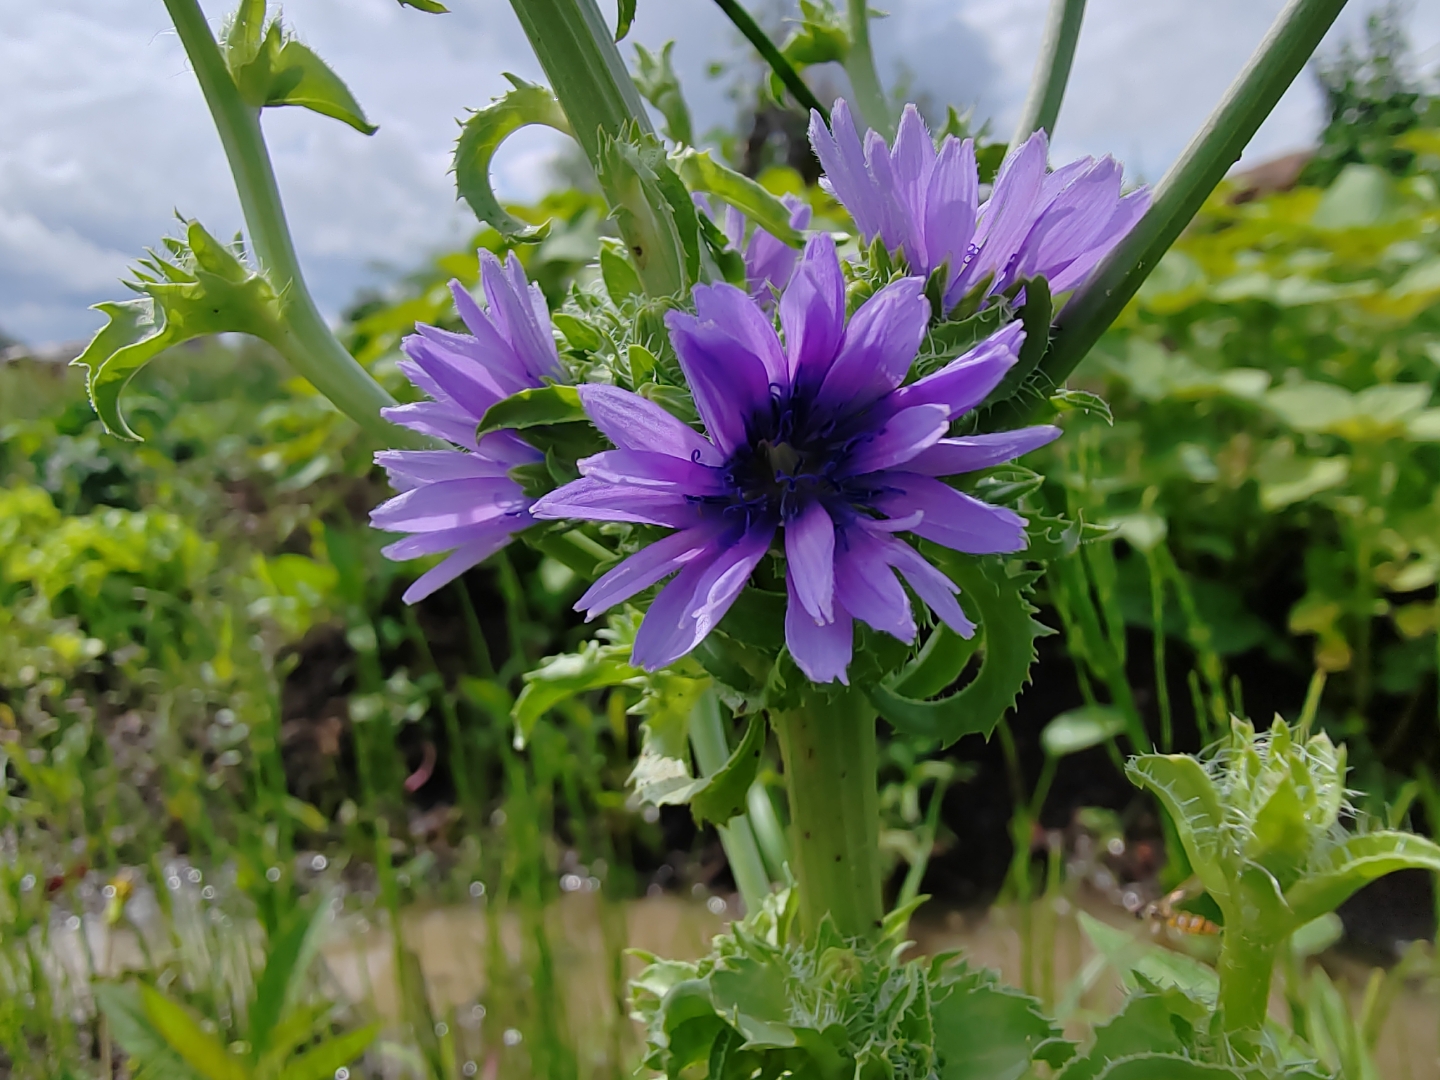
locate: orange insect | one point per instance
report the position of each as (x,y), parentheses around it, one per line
(1165,913)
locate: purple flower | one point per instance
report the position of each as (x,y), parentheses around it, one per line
(816,441)
(463,501)
(1057,225)
(768,261)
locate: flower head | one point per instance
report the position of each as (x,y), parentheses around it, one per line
(815,441)
(768,262)
(463,501)
(1057,225)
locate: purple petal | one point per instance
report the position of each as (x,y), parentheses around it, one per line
(645,568)
(468,382)
(491,347)
(810,554)
(590,499)
(1007,217)
(951,518)
(519,312)
(812,313)
(689,607)
(912,164)
(838,149)
(644,468)
(880,344)
(734,312)
(769,263)
(949,457)
(1127,213)
(934,588)
(867,588)
(821,650)
(449,504)
(432,543)
(462,559)
(962,384)
(434,418)
(904,435)
(729,383)
(950,206)
(416,467)
(894,222)
(632,422)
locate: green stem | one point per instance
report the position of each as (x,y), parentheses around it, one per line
(1052,70)
(910,888)
(1182,191)
(584,69)
(774,57)
(864,82)
(1245,969)
(712,750)
(830,773)
(304,340)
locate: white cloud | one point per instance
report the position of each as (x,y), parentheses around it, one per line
(105,133)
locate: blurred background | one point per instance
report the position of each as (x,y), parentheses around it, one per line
(217,716)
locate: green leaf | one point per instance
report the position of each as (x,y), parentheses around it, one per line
(821,37)
(559,678)
(1036,316)
(204,289)
(432,7)
(1362,195)
(723,794)
(1356,862)
(1142,1025)
(939,663)
(287,956)
(1006,619)
(244,34)
(533,407)
(1166,1067)
(624,17)
(281,71)
(1188,795)
(1067,400)
(199,1049)
(1080,729)
(1133,955)
(151,1056)
(325,1060)
(650,217)
(703,173)
(983,1032)
(656,79)
(618,273)
(481,136)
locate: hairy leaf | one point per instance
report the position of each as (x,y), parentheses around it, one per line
(480,137)
(1356,862)
(1142,1025)
(560,678)
(659,227)
(281,71)
(1190,798)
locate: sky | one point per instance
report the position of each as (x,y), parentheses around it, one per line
(104,136)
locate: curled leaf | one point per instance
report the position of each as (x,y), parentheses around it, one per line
(481,135)
(203,288)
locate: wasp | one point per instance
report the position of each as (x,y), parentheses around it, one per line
(1184,928)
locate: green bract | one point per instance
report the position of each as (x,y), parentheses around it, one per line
(204,287)
(1262,823)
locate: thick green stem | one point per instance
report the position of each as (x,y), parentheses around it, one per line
(1182,191)
(830,773)
(584,68)
(1245,968)
(864,82)
(1052,70)
(305,340)
(712,750)
(783,69)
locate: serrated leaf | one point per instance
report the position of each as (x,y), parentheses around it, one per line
(1142,1025)
(1007,620)
(703,173)
(1081,729)
(723,794)
(480,137)
(207,289)
(645,207)
(1168,1067)
(282,71)
(533,407)
(987,1033)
